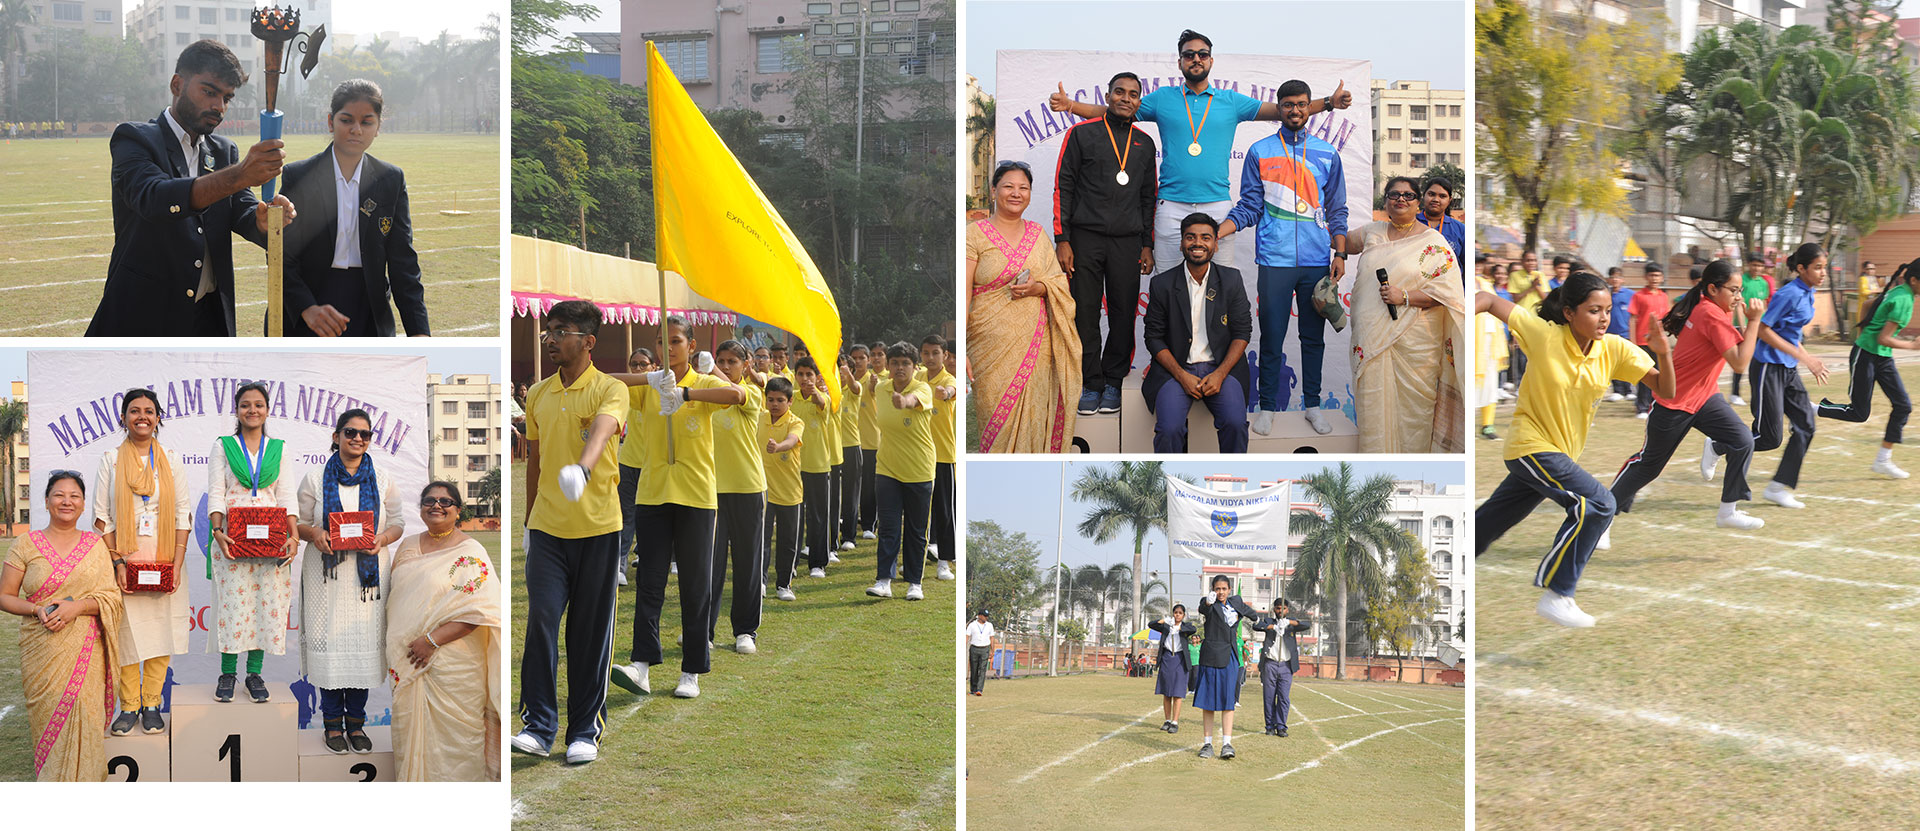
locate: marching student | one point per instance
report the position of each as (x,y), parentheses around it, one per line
(573,537)
(779,438)
(1571,363)
(1871,361)
(815,409)
(1220,675)
(1279,660)
(252,595)
(1779,398)
(742,501)
(1703,324)
(874,358)
(1172,686)
(777,353)
(677,499)
(846,473)
(639,362)
(903,474)
(946,407)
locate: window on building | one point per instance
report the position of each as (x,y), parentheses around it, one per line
(449,461)
(906,6)
(1443,525)
(1443,562)
(1266,586)
(450,434)
(1453,111)
(1393,158)
(880,26)
(1417,112)
(849,8)
(477,436)
(878,6)
(1446,596)
(1453,135)
(878,47)
(822,29)
(23,465)
(233,15)
(1417,136)
(819,8)
(208,17)
(24,491)
(1420,160)
(449,408)
(687,58)
(822,50)
(476,409)
(181,38)
(1411,526)
(26,515)
(68,12)
(844,28)
(103,15)
(1393,109)
(1393,133)
(182,12)
(473,492)
(843,49)
(778,53)
(477,464)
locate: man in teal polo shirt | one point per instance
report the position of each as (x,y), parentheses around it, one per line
(1196,123)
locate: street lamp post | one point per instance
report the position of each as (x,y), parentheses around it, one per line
(1059,544)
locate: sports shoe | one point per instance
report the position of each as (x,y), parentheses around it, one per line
(832,558)
(524,742)
(1173,727)
(125,722)
(1226,751)
(1089,402)
(619,578)
(1488,433)
(580,753)
(1613,396)
(1644,414)
(1737,401)
(1282,732)
(1780,495)
(1740,521)
(946,571)
(1885,467)
(846,545)
(817,572)
(1708,460)
(880,588)
(744,645)
(1263,423)
(337,745)
(151,723)
(1561,609)
(933,552)
(672,568)
(223,688)
(866,535)
(805,550)
(256,688)
(785,593)
(689,686)
(913,592)
(358,741)
(1317,419)
(1165,724)
(1110,401)
(1605,542)
(1206,750)
(632,678)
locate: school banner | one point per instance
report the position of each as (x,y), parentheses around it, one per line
(1025,130)
(1219,527)
(76,418)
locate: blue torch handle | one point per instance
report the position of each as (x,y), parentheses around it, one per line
(270,124)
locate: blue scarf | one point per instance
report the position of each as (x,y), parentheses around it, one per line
(367,563)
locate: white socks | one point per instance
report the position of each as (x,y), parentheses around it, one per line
(1727,509)
(1886,455)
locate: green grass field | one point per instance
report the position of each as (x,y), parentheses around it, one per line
(844,720)
(1755,680)
(56,231)
(1088,752)
(16,747)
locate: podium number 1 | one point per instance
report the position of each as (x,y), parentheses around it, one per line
(232,745)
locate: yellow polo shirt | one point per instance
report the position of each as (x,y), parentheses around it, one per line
(630,454)
(558,417)
(736,449)
(944,415)
(819,454)
(1563,386)
(783,469)
(869,417)
(846,420)
(906,445)
(690,480)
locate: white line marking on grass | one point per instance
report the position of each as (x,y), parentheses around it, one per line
(1317,692)
(1659,594)
(1161,755)
(11,261)
(1337,750)
(1762,744)
(1419,701)
(1901,587)
(1084,748)
(1823,544)
(1378,701)
(263,302)
(518,812)
(1295,706)
(4,711)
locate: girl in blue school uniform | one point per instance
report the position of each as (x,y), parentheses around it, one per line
(1220,673)
(1779,398)
(1175,632)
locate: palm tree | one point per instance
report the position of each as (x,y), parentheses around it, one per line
(1344,543)
(13,422)
(1131,497)
(15,17)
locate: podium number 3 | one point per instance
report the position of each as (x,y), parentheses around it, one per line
(133,767)
(232,745)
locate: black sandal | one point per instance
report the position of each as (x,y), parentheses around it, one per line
(357,737)
(336,737)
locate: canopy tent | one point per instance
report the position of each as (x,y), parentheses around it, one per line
(627,291)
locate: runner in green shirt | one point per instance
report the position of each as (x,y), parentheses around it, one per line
(1881,325)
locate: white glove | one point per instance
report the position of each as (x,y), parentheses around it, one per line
(703,363)
(573,482)
(668,387)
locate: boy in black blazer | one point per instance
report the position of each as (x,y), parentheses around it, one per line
(1213,372)
(1279,660)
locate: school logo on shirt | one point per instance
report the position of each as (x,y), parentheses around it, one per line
(1224,522)
(724,419)
(693,425)
(386,225)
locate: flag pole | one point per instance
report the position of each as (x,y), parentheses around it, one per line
(663,348)
(659,239)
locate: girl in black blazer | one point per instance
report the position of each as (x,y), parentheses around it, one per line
(1220,672)
(351,257)
(1175,634)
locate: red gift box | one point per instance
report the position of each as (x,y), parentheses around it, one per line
(257,532)
(350,531)
(149,577)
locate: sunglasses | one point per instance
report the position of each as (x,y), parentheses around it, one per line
(1196,54)
(352,434)
(1402,196)
(437,502)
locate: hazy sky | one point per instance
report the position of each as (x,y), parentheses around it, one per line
(410,17)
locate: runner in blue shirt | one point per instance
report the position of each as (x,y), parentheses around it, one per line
(1778,396)
(1617,324)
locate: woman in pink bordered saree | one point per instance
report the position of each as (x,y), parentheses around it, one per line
(1022,352)
(59,581)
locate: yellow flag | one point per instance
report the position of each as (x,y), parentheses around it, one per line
(718,231)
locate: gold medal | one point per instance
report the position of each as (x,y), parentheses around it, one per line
(1193,149)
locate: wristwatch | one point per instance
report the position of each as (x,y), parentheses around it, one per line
(1340,254)
(1327,102)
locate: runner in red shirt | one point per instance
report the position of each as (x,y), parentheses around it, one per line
(1647,307)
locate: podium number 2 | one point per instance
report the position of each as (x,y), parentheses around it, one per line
(367,770)
(133,767)
(232,745)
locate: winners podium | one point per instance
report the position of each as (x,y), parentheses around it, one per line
(1131,430)
(240,741)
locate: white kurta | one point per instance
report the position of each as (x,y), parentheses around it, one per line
(251,596)
(152,624)
(343,639)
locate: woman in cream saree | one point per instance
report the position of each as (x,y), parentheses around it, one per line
(443,650)
(1023,353)
(59,580)
(1408,371)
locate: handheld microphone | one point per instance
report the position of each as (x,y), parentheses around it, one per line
(1392,310)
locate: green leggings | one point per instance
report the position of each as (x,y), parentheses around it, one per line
(230,661)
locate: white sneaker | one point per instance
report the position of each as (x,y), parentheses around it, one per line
(580,753)
(1507,387)
(866,535)
(785,594)
(880,588)
(690,685)
(846,546)
(946,572)
(1606,541)
(1317,419)
(805,550)
(1263,422)
(832,558)
(1737,401)
(1781,496)
(933,551)
(1613,396)
(619,578)
(744,645)
(913,592)
(1886,468)
(632,678)
(673,568)
(1561,609)
(1643,416)
(524,742)
(818,572)
(1708,460)
(1740,521)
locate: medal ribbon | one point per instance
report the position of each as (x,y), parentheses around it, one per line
(1203,116)
(1116,145)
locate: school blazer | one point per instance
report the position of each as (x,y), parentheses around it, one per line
(1169,322)
(1216,649)
(1186,631)
(387,259)
(1271,626)
(159,240)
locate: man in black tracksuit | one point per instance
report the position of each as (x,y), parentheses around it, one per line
(1103,203)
